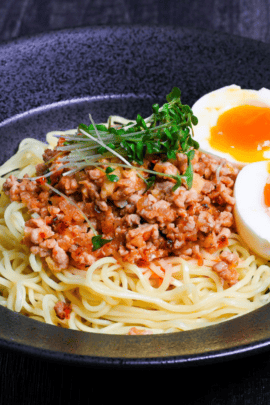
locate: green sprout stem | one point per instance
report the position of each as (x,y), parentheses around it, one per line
(166,132)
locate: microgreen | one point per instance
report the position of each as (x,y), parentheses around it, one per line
(98,242)
(150,181)
(111,177)
(166,132)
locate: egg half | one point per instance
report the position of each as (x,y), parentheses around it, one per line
(252,207)
(234,123)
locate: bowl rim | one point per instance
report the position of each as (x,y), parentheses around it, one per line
(242,345)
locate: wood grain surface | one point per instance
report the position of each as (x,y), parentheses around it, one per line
(247,18)
(26,380)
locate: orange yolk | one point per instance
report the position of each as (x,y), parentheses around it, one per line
(266,190)
(267,194)
(243,132)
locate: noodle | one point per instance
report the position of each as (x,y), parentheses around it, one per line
(169,295)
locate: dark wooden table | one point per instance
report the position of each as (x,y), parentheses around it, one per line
(27,380)
(248,18)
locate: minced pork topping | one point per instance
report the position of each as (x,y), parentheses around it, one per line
(142,224)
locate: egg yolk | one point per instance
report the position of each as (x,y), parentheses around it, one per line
(266,190)
(243,132)
(267,194)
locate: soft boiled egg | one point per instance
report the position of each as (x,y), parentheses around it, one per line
(234,123)
(252,207)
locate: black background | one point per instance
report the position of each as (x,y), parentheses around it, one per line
(27,380)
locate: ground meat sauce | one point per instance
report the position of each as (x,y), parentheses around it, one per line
(144,224)
(62,310)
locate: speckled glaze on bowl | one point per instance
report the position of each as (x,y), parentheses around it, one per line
(53,81)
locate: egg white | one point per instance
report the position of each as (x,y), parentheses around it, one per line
(209,107)
(250,212)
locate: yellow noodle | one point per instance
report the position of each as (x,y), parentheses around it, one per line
(110,297)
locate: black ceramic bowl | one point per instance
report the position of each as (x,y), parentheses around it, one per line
(53,81)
